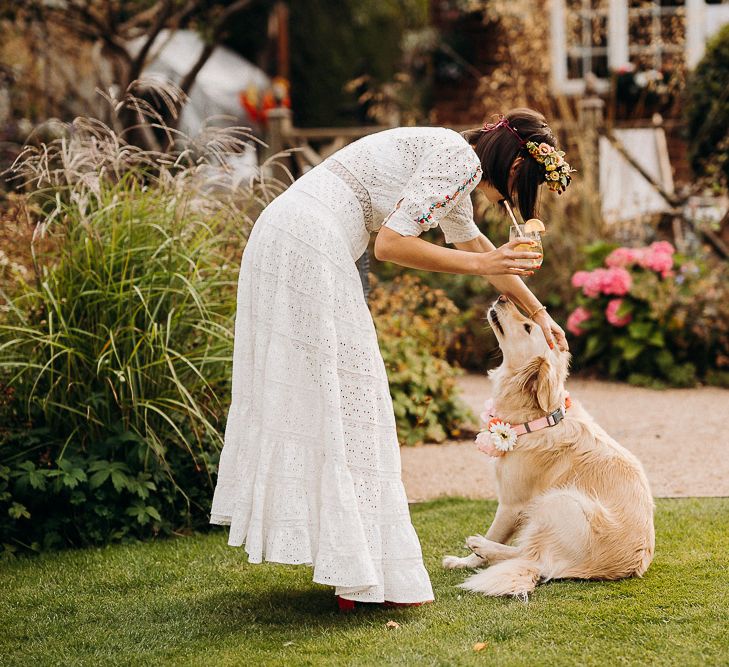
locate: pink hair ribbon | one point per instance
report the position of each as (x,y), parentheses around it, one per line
(503,122)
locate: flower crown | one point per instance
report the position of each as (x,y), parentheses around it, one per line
(556,169)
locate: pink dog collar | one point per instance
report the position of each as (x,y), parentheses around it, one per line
(498,437)
(552,419)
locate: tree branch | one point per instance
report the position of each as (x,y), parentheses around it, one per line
(138,19)
(79,19)
(163,14)
(217,31)
(183,16)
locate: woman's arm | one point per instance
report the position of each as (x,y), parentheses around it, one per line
(477,257)
(417,253)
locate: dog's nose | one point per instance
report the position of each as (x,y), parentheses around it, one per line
(503,298)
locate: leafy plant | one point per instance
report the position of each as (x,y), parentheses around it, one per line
(115,352)
(707,110)
(416,326)
(650,316)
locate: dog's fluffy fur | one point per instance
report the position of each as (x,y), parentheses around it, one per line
(577,502)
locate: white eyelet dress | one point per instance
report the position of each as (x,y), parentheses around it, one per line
(310,470)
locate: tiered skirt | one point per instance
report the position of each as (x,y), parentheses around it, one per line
(310,471)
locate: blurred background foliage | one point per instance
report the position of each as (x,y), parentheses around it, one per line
(335,43)
(707,111)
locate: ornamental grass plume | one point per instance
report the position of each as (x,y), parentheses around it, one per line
(89,153)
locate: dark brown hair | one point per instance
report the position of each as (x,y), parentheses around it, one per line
(498,149)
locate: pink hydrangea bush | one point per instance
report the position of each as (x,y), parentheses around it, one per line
(651,315)
(656,257)
(623,312)
(616,280)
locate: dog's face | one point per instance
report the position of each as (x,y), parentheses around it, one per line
(532,375)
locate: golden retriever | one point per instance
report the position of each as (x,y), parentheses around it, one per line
(578,504)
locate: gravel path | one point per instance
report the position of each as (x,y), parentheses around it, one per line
(680,435)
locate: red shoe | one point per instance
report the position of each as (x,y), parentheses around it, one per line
(345,606)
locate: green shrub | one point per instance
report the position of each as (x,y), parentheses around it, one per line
(651,316)
(717,378)
(334,43)
(415,327)
(115,355)
(707,110)
(472,343)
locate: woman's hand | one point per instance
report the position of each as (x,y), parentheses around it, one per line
(505,260)
(552,331)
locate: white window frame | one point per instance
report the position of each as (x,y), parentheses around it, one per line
(559,80)
(702,20)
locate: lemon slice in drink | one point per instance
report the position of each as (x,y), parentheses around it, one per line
(534,225)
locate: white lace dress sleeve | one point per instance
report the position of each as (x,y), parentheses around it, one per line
(443,179)
(458,226)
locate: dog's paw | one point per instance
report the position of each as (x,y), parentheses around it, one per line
(452,562)
(456,563)
(475,543)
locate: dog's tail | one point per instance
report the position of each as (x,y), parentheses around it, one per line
(516,576)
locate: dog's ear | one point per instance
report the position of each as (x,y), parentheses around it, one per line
(539,380)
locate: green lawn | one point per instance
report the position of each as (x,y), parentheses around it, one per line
(194,601)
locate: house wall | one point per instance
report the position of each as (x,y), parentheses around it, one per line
(464,102)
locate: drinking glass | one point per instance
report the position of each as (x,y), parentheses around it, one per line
(534,236)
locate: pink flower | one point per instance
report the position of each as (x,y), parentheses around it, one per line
(611,313)
(593,283)
(658,262)
(545,149)
(616,280)
(485,444)
(658,257)
(580,278)
(623,257)
(576,318)
(662,247)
